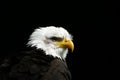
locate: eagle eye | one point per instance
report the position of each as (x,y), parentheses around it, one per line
(56,38)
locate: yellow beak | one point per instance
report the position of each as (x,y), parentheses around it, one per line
(65,44)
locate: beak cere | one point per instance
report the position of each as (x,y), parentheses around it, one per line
(65,44)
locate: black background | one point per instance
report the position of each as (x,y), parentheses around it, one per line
(90,23)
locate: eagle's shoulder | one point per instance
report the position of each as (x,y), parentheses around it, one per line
(58,71)
(29,64)
(34,64)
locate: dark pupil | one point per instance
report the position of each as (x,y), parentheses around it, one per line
(56,38)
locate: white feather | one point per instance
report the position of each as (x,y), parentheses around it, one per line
(39,39)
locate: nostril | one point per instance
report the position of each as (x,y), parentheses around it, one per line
(66,41)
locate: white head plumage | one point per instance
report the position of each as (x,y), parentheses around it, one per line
(46,38)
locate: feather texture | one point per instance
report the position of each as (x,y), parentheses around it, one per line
(34,65)
(40,39)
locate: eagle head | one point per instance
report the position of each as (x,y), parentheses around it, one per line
(53,40)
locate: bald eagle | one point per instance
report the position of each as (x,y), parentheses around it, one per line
(45,58)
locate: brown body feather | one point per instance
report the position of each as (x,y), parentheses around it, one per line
(33,65)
